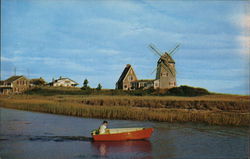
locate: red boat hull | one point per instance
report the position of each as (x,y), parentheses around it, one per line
(134,135)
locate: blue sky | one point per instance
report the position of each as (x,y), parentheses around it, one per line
(96,39)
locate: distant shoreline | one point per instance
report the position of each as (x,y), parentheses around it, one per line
(210,109)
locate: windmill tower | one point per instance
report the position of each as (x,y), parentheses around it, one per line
(165,70)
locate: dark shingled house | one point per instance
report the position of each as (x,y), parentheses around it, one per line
(127,77)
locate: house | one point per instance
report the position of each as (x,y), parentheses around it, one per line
(63,82)
(128,75)
(129,81)
(14,84)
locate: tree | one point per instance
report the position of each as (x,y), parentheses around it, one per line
(85,84)
(38,81)
(99,87)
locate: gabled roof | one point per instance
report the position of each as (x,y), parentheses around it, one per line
(124,73)
(146,80)
(64,79)
(170,59)
(12,79)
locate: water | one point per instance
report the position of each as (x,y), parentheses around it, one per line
(29,135)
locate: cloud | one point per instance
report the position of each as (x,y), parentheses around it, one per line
(72,37)
(242,21)
(244,41)
(7,59)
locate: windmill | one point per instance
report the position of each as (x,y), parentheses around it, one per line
(165,70)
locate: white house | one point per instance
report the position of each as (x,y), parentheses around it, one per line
(63,82)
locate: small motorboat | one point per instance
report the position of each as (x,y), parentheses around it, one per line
(121,134)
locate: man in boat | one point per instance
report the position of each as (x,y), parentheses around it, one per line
(103,128)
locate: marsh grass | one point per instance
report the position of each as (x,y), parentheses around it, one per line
(73,105)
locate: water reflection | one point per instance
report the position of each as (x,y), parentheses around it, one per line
(142,148)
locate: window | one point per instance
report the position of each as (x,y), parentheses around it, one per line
(125,86)
(130,78)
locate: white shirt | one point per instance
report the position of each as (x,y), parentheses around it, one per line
(102,129)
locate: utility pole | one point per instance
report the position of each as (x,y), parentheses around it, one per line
(15,71)
(28,73)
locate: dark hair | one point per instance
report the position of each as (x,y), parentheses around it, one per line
(105,122)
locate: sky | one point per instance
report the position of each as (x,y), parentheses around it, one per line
(96,39)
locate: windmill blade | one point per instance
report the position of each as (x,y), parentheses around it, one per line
(166,66)
(153,70)
(173,50)
(154,49)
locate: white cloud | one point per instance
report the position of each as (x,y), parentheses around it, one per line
(242,21)
(244,41)
(7,59)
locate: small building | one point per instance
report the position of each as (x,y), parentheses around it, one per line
(63,82)
(157,84)
(143,84)
(127,77)
(14,84)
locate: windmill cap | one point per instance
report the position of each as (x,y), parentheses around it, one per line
(128,65)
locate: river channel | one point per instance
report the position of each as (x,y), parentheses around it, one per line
(31,135)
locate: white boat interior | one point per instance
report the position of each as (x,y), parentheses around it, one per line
(117,130)
(122,130)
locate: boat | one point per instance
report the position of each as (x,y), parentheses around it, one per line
(122,134)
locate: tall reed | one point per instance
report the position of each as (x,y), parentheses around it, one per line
(128,112)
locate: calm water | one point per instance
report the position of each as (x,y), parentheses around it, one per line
(29,135)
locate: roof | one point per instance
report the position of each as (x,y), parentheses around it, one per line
(12,79)
(64,79)
(124,73)
(170,59)
(144,80)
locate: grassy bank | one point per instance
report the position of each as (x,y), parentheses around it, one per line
(176,91)
(215,110)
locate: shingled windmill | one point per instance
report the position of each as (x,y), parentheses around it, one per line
(165,70)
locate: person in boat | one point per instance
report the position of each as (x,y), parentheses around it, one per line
(103,128)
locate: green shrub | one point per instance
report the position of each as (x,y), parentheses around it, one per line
(187,91)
